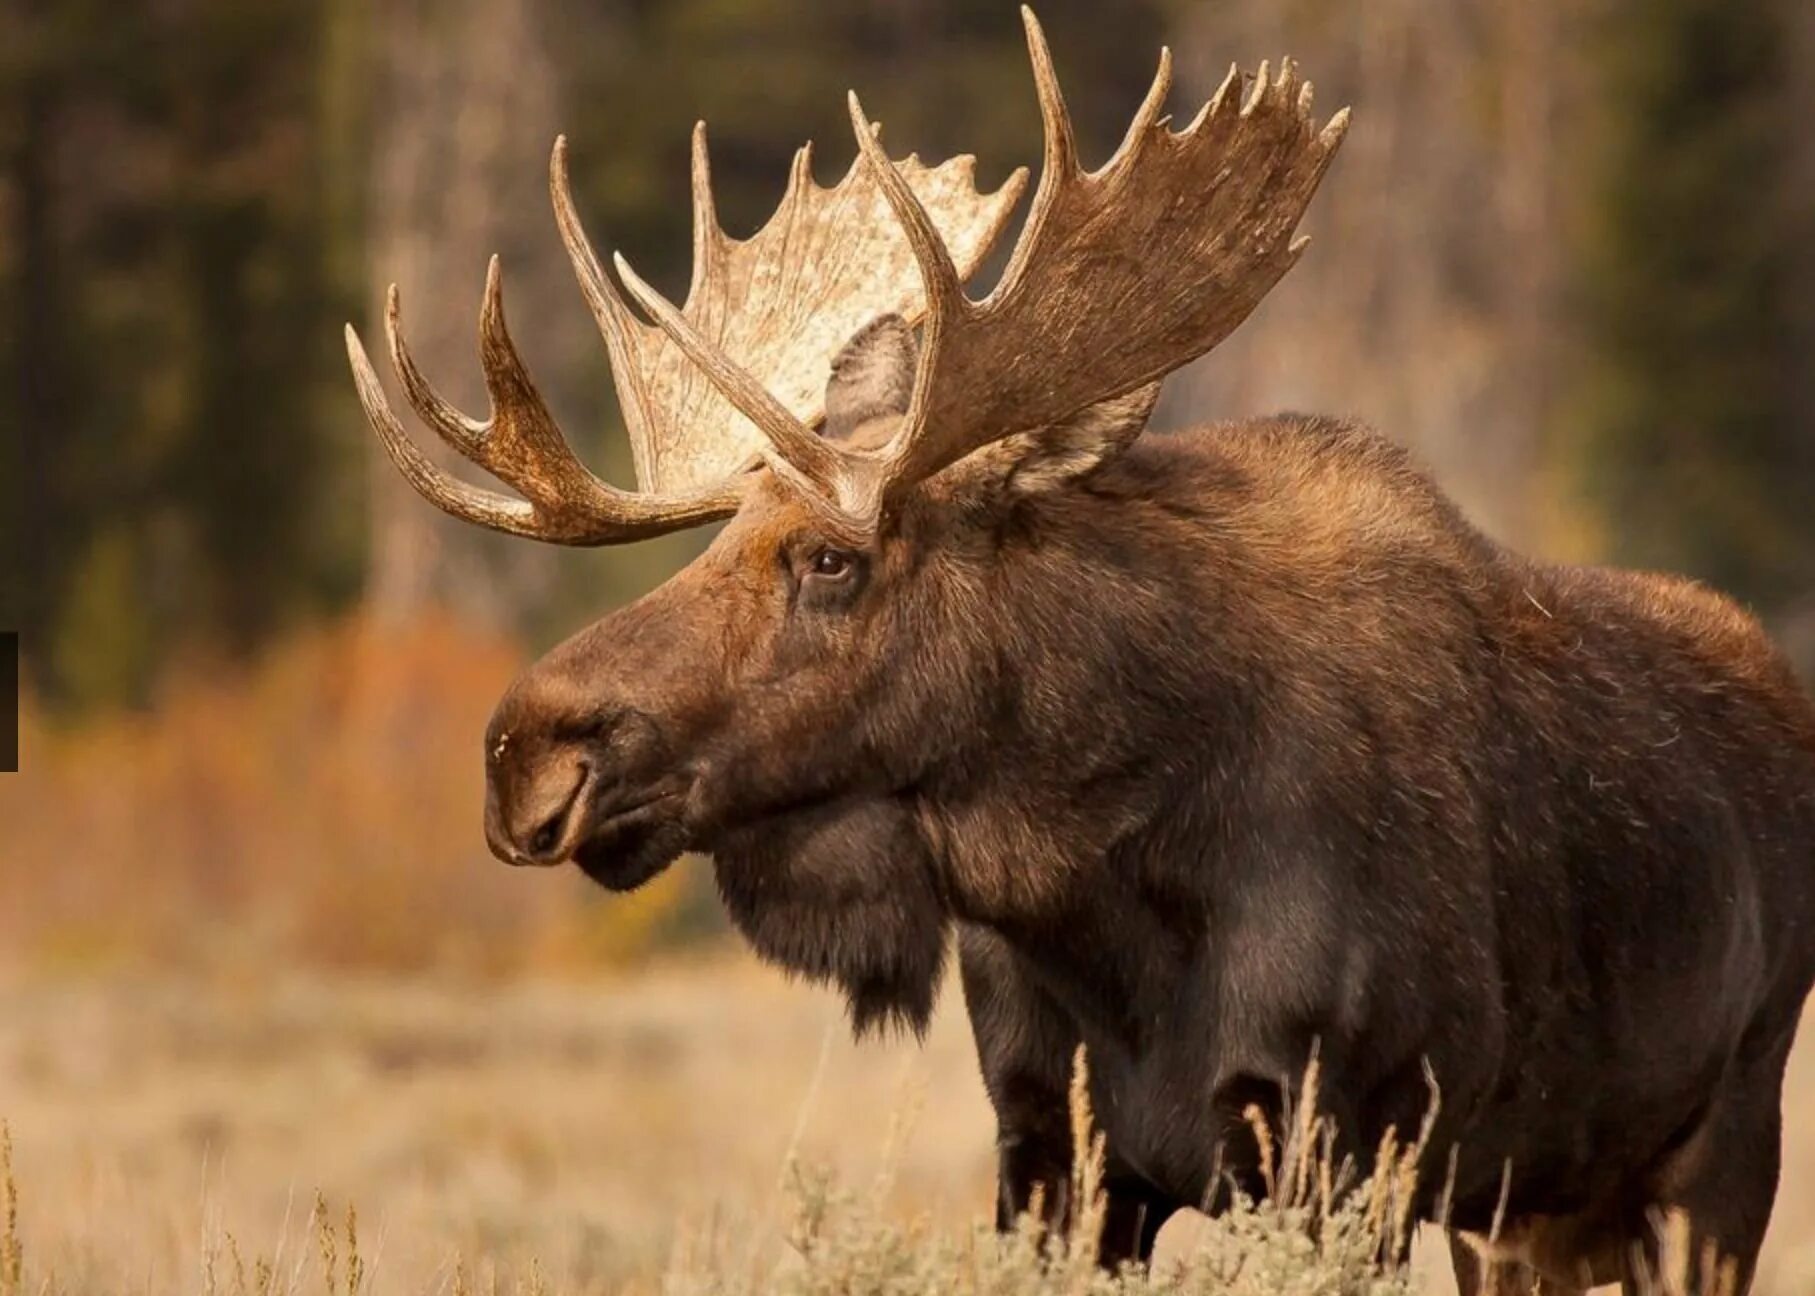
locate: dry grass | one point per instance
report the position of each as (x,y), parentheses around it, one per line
(567,1137)
(578,1186)
(575,1124)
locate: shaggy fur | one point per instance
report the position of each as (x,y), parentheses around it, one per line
(1233,743)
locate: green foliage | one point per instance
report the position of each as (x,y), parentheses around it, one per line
(170,336)
(1691,440)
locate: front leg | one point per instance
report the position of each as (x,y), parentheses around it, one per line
(1025,1045)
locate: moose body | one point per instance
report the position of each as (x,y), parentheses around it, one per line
(1248,745)
(1208,750)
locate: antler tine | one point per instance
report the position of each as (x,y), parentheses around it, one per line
(799,452)
(1231,85)
(708,235)
(1258,91)
(465,434)
(613,317)
(1148,115)
(939,277)
(448,493)
(520,444)
(1058,154)
(523,445)
(946,304)
(800,173)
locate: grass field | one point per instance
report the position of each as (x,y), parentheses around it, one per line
(564,1135)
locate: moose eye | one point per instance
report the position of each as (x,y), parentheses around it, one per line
(830,563)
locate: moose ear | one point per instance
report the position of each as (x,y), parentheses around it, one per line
(872,381)
(1059,454)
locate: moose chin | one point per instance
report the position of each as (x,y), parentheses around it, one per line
(1204,750)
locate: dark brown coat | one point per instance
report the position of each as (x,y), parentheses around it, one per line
(1238,742)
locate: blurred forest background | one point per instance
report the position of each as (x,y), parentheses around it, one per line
(1567,255)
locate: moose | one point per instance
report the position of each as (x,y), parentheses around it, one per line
(1205,749)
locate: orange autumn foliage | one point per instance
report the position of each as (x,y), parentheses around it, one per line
(322,807)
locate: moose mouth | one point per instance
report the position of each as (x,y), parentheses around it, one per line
(631,845)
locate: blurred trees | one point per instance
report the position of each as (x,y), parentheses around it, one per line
(1565,255)
(170,466)
(461,110)
(1429,302)
(1691,416)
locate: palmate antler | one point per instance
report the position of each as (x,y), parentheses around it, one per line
(1121,276)
(764,316)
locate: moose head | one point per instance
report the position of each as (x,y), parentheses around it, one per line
(932,611)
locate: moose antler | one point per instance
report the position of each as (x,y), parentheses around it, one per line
(737,373)
(1120,276)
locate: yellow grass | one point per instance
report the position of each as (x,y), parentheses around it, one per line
(571,1133)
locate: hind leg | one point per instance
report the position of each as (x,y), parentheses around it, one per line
(1723,1181)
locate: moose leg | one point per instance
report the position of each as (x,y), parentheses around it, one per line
(1133,1213)
(1033,1173)
(1025,1046)
(1723,1181)
(1024,1049)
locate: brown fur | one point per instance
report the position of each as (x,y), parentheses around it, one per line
(1236,742)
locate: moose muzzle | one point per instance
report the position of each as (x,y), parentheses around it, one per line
(568,779)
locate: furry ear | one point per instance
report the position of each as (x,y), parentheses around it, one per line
(872,381)
(1059,454)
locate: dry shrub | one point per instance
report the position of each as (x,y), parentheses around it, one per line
(1320,1231)
(321,807)
(1319,1235)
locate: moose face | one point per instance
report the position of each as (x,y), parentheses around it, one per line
(790,666)
(768,674)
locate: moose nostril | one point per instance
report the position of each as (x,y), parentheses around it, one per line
(549,834)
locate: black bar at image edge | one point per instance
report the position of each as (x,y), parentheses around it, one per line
(9,702)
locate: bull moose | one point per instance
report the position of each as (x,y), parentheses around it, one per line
(1210,747)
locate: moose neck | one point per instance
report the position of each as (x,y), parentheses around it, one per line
(1083,830)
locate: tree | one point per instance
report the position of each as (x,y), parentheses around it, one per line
(166,335)
(1690,437)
